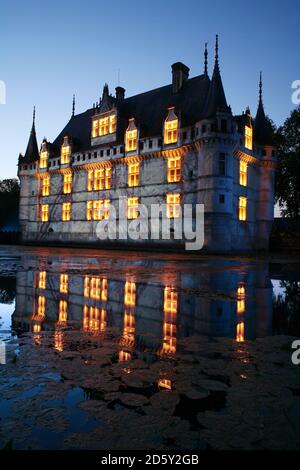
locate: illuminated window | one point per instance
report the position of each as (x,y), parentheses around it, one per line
(41,305)
(67,183)
(243,173)
(248,137)
(107,177)
(99,178)
(46,186)
(241,298)
(66,211)
(44,159)
(63,311)
(89,210)
(174,169)
(37,328)
(64,282)
(90,180)
(130,294)
(132,208)
(171,128)
(103,126)
(240,332)
(95,128)
(170,300)
(42,280)
(65,153)
(112,124)
(173,206)
(131,136)
(98,210)
(45,212)
(242,208)
(133,174)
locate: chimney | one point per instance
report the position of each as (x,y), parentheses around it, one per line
(120,93)
(180,73)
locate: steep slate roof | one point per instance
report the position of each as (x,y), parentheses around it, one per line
(32,151)
(149,110)
(263,132)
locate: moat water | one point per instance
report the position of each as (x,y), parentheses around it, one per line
(194,352)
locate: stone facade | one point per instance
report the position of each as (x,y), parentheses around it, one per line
(210,144)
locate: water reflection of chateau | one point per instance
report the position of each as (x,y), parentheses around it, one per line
(182,300)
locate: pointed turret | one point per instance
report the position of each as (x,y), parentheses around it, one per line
(206,60)
(32,151)
(216,100)
(263,132)
(73,107)
(107,101)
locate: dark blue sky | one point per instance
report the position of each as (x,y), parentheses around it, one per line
(51,49)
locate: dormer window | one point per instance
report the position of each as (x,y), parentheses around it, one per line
(248,137)
(131,136)
(171,128)
(44,156)
(104,126)
(65,153)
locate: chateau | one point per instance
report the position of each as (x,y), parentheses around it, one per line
(178,144)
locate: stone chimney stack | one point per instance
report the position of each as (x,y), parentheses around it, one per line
(180,73)
(120,93)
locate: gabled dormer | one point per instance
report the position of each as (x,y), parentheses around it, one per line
(104,121)
(65,151)
(131,137)
(44,154)
(171,126)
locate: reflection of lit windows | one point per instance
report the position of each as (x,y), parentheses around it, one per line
(68,183)
(63,311)
(94,288)
(37,328)
(129,326)
(66,211)
(132,208)
(240,332)
(174,169)
(169,325)
(171,128)
(130,294)
(173,206)
(58,341)
(248,137)
(243,173)
(94,319)
(45,212)
(133,174)
(64,281)
(41,305)
(42,280)
(241,298)
(46,186)
(165,384)
(242,208)
(170,300)
(131,136)
(124,356)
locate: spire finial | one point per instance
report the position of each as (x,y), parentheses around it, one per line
(217,50)
(73,106)
(260,86)
(33,117)
(205,60)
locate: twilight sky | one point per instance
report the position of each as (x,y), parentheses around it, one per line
(52,49)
